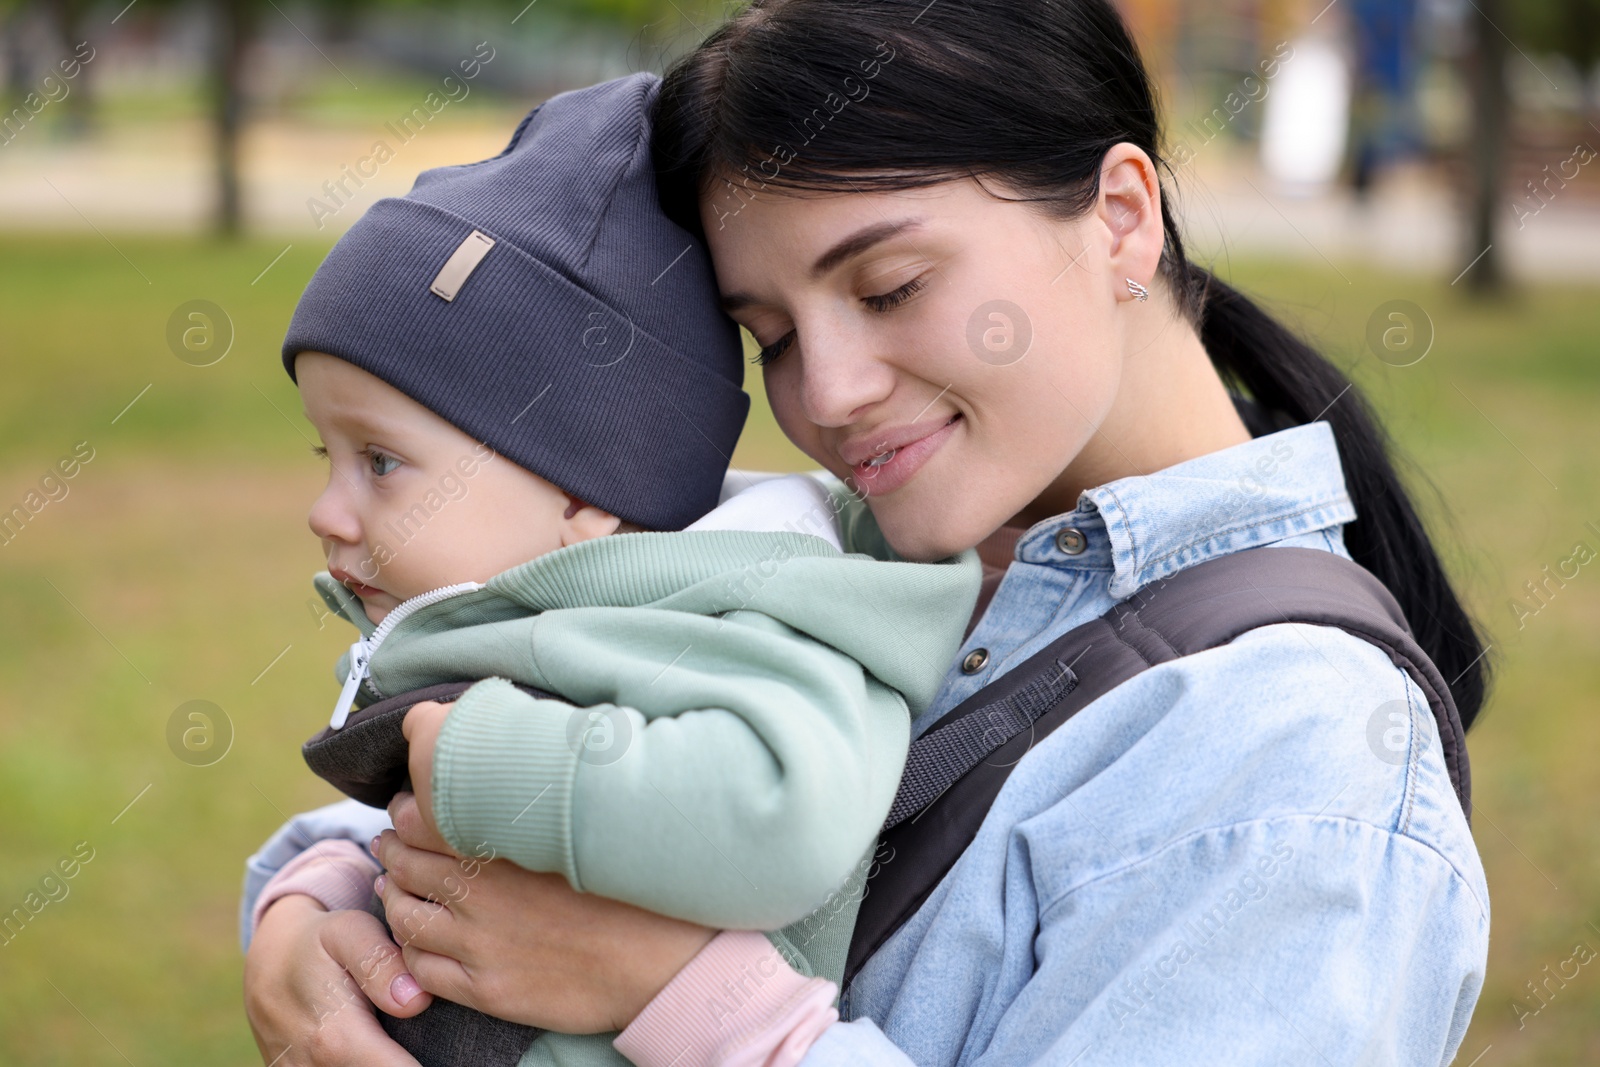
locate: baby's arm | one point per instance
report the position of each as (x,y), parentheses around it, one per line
(347,822)
(337,874)
(747,770)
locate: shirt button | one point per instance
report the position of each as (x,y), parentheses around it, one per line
(1071,540)
(976,661)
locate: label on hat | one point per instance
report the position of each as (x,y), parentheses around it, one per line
(462,262)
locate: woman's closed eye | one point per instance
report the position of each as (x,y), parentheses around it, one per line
(895,297)
(881,302)
(777,348)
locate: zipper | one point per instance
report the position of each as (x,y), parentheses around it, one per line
(361,652)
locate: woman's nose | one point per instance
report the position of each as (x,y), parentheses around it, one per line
(841,375)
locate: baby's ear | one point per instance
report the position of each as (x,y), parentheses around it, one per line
(584,522)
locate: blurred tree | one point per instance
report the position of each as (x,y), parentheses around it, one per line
(1486,150)
(24,24)
(14,15)
(78,106)
(1569,28)
(236,22)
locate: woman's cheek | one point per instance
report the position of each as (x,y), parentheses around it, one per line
(782,385)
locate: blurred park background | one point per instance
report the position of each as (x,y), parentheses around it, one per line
(1408,181)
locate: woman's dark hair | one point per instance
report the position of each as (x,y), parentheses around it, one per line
(838,95)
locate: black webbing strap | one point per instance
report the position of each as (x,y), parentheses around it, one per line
(956,768)
(946,753)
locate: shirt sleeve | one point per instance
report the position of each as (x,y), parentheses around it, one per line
(1307,939)
(726,770)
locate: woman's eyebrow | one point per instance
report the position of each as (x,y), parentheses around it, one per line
(860,241)
(853,245)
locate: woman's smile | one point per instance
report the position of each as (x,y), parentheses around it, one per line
(898,455)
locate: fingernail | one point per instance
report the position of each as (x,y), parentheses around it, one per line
(379,883)
(374,845)
(404,989)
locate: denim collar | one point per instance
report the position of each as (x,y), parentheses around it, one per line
(1149,526)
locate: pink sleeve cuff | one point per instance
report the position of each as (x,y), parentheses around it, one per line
(738,1003)
(337,873)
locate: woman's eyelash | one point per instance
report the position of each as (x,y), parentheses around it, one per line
(319,451)
(883,302)
(774,350)
(891,300)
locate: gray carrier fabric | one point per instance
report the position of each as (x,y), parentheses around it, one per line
(367,759)
(956,768)
(447,1034)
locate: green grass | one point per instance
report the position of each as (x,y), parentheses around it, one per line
(323,97)
(177,568)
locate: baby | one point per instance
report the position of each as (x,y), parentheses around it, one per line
(527,395)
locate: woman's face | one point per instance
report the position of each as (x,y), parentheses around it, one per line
(947,352)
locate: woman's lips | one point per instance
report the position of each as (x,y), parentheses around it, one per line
(889,470)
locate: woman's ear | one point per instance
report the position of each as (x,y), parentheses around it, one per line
(1130,208)
(583,521)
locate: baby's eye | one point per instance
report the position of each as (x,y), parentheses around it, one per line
(319,451)
(382,463)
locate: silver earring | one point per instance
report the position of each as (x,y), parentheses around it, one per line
(1140,293)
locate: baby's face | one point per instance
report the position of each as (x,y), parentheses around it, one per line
(413,503)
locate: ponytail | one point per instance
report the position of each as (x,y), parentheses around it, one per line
(1034,94)
(1287,377)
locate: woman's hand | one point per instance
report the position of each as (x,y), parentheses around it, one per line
(522,945)
(311,979)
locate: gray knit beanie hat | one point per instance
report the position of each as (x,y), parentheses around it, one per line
(541,302)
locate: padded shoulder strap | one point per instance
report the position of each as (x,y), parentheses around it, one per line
(1233,594)
(956,768)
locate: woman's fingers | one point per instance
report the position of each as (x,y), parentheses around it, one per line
(443,975)
(356,1039)
(416,922)
(305,1006)
(359,943)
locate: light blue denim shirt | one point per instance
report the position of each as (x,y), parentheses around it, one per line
(1220,861)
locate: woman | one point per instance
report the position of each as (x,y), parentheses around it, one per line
(944,225)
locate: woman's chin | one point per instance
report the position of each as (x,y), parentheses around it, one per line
(922,535)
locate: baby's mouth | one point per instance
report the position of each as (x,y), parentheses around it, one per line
(360,589)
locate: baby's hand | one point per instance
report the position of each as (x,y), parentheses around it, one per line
(421,728)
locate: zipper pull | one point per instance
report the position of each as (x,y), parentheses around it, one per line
(360,657)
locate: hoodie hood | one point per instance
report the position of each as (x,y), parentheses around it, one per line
(901,621)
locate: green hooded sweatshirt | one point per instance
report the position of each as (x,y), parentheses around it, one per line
(740,707)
